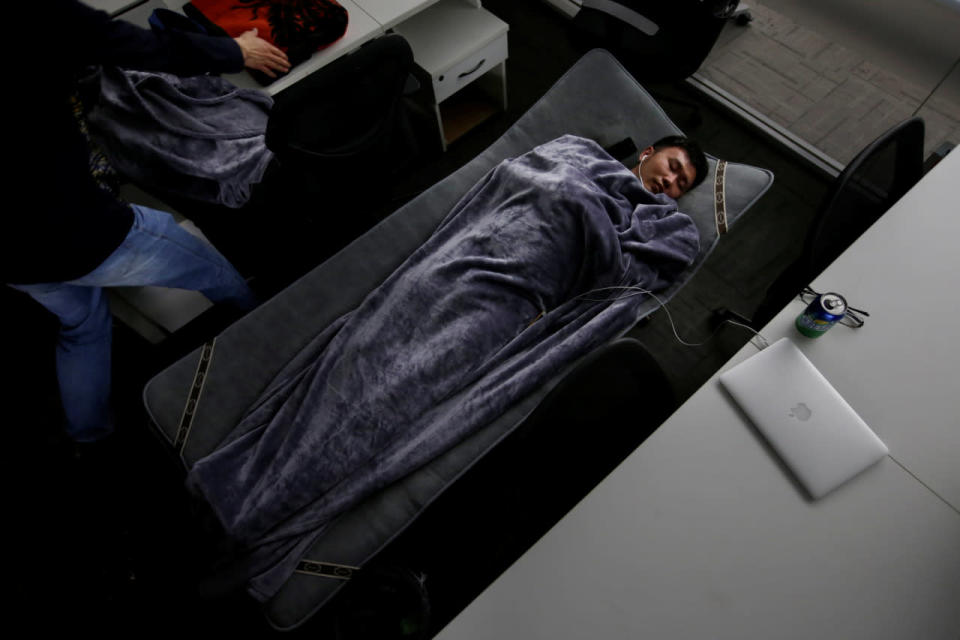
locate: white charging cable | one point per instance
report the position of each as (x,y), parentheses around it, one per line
(634,290)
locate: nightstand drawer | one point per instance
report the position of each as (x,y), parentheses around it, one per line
(449,81)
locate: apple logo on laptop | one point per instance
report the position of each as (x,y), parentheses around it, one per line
(801,412)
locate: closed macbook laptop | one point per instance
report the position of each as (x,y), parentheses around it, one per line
(809,424)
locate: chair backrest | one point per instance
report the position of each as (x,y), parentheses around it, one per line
(869,185)
(589,422)
(655,41)
(329,129)
(875,179)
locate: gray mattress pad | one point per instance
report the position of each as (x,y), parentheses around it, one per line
(242,361)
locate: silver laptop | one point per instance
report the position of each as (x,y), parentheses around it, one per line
(813,429)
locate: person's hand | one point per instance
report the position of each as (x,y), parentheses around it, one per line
(261,55)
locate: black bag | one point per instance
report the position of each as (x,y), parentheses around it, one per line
(297,27)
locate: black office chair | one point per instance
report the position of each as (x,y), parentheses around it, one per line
(875,179)
(658,42)
(343,133)
(594,418)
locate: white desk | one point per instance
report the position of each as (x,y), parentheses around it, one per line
(389,13)
(902,369)
(701,533)
(361,28)
(113,7)
(367,20)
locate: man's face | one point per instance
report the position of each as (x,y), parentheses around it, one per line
(668,171)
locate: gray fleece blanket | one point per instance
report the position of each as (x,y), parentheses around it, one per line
(491,306)
(200,137)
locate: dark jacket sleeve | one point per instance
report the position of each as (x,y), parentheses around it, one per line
(86,36)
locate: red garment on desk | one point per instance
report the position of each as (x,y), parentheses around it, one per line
(299,27)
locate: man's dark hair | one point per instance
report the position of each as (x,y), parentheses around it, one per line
(693,150)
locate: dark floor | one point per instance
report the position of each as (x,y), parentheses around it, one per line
(106,540)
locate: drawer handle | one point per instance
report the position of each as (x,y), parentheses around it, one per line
(474,70)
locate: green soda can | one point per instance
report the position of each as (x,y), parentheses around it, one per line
(821,314)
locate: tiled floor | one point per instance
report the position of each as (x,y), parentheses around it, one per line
(827,93)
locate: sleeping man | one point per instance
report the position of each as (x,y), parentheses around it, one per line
(525,274)
(674,165)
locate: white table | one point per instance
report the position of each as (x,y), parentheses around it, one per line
(702,533)
(902,369)
(389,13)
(113,7)
(368,20)
(361,28)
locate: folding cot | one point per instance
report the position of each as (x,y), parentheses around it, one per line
(195,402)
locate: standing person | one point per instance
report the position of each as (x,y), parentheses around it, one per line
(68,237)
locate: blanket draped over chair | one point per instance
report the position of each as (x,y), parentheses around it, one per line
(198,137)
(496,302)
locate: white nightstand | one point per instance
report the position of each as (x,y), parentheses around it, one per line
(460,44)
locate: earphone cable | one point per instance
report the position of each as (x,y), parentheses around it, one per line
(635,291)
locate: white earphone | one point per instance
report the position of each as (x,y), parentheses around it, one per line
(639,166)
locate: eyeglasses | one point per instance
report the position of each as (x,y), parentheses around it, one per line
(853,318)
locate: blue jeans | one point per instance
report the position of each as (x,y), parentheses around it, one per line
(156,251)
